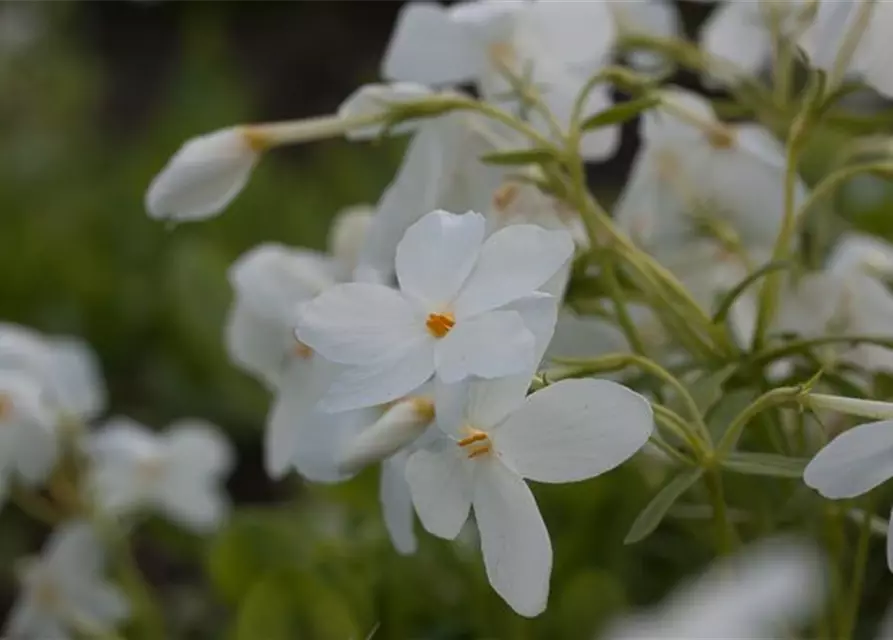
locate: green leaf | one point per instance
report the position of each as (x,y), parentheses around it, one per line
(707,389)
(285,604)
(652,515)
(519,157)
(765,464)
(735,292)
(619,113)
(721,414)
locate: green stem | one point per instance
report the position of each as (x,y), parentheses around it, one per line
(801,346)
(725,532)
(614,291)
(770,399)
(848,624)
(676,425)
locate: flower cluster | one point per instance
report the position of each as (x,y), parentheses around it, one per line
(489,321)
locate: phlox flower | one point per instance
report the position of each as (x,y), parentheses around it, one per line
(178,473)
(463,308)
(759,593)
(559,45)
(64,593)
(493,439)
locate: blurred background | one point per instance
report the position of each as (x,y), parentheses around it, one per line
(94,98)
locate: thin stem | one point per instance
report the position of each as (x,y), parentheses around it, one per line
(669,450)
(774,398)
(829,183)
(725,532)
(848,624)
(623,318)
(676,425)
(800,346)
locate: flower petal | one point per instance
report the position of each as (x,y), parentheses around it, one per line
(514,540)
(199,447)
(396,504)
(736,33)
(490,345)
(514,262)
(257,345)
(358,323)
(203,177)
(380,382)
(428,47)
(573,430)
(854,462)
(372,100)
(196,505)
(539,311)
(440,484)
(436,255)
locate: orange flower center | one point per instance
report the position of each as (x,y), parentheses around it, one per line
(301,350)
(721,137)
(476,444)
(439,324)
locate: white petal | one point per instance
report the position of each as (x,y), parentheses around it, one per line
(573,430)
(400,425)
(73,549)
(380,382)
(396,504)
(658,18)
(854,462)
(514,540)
(737,33)
(372,100)
(585,336)
(36,452)
(198,506)
(199,447)
(440,485)
(358,323)
(514,262)
(889,554)
(539,311)
(861,252)
(258,345)
(428,47)
(436,255)
(347,234)
(99,604)
(490,345)
(300,435)
(203,177)
(78,388)
(876,50)
(578,34)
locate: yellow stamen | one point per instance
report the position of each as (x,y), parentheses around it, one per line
(502,53)
(720,137)
(479,451)
(302,351)
(478,443)
(439,324)
(504,196)
(475,437)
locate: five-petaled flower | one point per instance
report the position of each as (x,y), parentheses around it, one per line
(465,307)
(495,438)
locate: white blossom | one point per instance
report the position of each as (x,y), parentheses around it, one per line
(560,44)
(570,431)
(347,236)
(64,593)
(203,176)
(178,473)
(460,310)
(759,593)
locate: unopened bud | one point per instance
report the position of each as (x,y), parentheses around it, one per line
(400,425)
(874,409)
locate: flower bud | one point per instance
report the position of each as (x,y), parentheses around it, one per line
(376,100)
(402,423)
(204,176)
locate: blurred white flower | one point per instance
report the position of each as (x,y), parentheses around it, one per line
(28,446)
(203,176)
(64,594)
(760,593)
(179,473)
(347,236)
(742,33)
(440,170)
(695,171)
(557,45)
(461,310)
(269,282)
(654,18)
(376,99)
(66,368)
(570,431)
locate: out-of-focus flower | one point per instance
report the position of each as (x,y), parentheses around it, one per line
(496,438)
(66,368)
(556,46)
(347,236)
(179,472)
(28,446)
(759,593)
(378,99)
(654,18)
(460,310)
(204,175)
(64,594)
(269,282)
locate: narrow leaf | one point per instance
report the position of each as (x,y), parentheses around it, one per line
(619,113)
(729,299)
(519,157)
(654,512)
(765,464)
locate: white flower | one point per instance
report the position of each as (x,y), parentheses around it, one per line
(66,368)
(694,171)
(655,18)
(570,431)
(741,32)
(462,309)
(269,282)
(375,100)
(440,170)
(64,592)
(28,447)
(179,472)
(561,44)
(860,252)
(347,236)
(854,463)
(203,176)
(760,593)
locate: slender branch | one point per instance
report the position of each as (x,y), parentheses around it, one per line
(848,624)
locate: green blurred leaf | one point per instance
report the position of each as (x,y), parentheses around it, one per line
(519,157)
(619,113)
(765,464)
(654,512)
